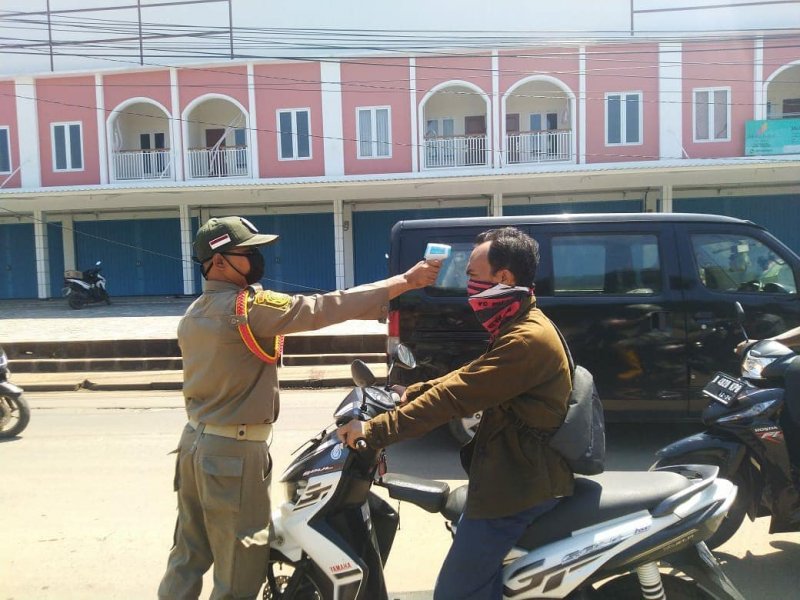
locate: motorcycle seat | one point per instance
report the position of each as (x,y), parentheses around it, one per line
(601,498)
(425,493)
(596,499)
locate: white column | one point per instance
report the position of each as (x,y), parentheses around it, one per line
(28,133)
(186,249)
(759,98)
(582,105)
(252,134)
(412,84)
(176,126)
(42,262)
(496,154)
(349,257)
(102,147)
(666,198)
(68,242)
(496,207)
(670,101)
(338,243)
(332,126)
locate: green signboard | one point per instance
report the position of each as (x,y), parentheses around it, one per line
(775,136)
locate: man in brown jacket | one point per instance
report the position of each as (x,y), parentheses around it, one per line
(521,383)
(230,342)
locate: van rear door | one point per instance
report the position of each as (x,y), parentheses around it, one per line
(724,263)
(608,288)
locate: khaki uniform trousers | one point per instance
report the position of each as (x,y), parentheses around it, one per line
(223,488)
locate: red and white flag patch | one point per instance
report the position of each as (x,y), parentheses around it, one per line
(219,241)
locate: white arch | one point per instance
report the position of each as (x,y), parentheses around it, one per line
(768,80)
(185,123)
(548,79)
(430,93)
(117,112)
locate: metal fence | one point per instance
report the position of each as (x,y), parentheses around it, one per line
(219,162)
(142,164)
(457,151)
(538,146)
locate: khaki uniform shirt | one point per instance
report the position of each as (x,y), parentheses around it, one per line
(523,376)
(224,383)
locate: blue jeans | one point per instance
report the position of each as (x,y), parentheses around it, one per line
(473,567)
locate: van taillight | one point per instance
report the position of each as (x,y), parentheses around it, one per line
(394,331)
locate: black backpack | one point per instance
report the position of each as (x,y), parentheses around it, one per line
(581,439)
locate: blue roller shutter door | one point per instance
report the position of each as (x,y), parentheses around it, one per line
(777,213)
(17,261)
(140,257)
(601,206)
(55,254)
(302,260)
(371,230)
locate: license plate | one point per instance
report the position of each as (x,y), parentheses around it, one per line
(724,388)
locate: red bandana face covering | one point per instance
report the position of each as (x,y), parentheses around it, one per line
(495,303)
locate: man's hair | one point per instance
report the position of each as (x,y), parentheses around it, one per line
(513,250)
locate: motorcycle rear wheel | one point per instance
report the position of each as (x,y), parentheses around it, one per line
(309,588)
(15,414)
(627,587)
(76,301)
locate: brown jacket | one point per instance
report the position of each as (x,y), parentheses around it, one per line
(223,382)
(524,375)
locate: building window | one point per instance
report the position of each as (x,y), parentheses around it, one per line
(5,151)
(712,115)
(623,119)
(374,132)
(67,146)
(444,127)
(294,137)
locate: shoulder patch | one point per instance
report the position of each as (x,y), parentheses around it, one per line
(272,299)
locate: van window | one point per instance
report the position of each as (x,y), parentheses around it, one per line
(740,263)
(606,264)
(452,279)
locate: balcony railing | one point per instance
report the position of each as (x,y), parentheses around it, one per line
(219,162)
(142,164)
(538,146)
(457,151)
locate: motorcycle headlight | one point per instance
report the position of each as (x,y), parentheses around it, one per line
(295,489)
(753,365)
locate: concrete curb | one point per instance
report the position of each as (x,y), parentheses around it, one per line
(178,385)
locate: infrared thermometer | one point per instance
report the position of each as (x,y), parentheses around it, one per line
(437,251)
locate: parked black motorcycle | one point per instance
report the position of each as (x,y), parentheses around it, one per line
(753,436)
(14,411)
(85,287)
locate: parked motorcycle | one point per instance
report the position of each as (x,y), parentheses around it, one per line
(85,287)
(332,536)
(14,411)
(753,436)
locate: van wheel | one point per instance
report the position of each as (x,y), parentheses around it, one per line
(464,429)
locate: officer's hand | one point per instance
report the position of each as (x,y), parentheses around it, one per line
(423,273)
(351,432)
(742,346)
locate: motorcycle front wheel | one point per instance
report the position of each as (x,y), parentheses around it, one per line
(283,584)
(14,416)
(629,588)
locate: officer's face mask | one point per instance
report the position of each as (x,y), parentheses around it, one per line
(256,260)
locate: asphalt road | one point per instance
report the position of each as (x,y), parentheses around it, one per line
(88,512)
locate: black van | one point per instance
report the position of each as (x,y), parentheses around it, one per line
(646,301)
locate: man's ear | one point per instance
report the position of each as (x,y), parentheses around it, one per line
(218,261)
(507,278)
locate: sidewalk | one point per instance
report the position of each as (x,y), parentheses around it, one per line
(141,318)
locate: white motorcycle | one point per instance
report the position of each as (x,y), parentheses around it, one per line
(331,538)
(85,287)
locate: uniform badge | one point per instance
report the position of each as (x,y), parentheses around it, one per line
(272,299)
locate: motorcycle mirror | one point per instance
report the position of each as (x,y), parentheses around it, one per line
(740,318)
(404,357)
(362,376)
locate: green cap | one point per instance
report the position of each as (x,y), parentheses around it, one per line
(223,233)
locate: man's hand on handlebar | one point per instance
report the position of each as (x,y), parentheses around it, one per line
(351,433)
